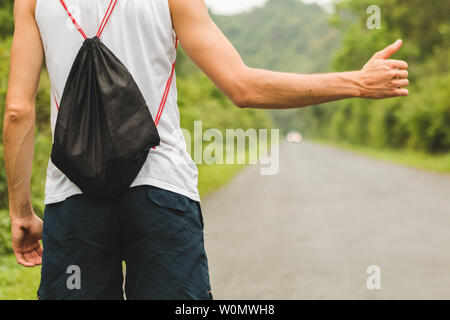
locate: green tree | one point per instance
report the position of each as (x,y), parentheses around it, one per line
(420,121)
(6,18)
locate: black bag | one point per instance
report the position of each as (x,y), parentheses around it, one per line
(104,129)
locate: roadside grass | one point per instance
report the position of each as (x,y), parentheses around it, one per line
(212,177)
(420,160)
(20,283)
(17,282)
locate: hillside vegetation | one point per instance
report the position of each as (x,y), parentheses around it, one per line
(287,35)
(284,35)
(420,122)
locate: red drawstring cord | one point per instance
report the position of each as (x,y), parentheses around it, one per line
(56,102)
(165,95)
(104,17)
(166,91)
(73,20)
(99,33)
(102,24)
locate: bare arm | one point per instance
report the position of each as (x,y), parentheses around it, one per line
(18,133)
(248,87)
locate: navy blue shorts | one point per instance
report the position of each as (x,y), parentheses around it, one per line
(158,235)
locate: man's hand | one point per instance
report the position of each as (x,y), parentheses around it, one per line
(26,233)
(382,77)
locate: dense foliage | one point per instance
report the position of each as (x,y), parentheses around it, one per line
(288,35)
(284,35)
(420,121)
(6,18)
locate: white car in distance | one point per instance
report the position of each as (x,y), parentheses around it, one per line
(294,137)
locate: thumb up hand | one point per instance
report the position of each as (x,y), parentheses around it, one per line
(382,77)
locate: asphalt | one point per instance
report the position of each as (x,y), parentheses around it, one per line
(312,230)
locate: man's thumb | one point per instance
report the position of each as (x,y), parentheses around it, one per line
(387,52)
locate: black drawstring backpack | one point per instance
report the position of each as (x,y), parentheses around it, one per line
(104,129)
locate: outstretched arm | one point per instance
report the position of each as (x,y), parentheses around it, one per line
(206,45)
(18,133)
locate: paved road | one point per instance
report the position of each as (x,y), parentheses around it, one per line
(311,231)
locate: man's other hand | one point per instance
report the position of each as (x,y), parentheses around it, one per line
(26,233)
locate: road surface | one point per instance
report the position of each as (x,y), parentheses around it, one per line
(312,230)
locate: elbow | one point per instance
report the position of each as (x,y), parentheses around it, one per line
(18,113)
(242,92)
(240,102)
(241,95)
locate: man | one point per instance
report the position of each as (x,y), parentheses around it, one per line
(156,226)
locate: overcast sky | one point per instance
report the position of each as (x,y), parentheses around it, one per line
(235,6)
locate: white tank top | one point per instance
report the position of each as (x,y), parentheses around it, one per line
(140,34)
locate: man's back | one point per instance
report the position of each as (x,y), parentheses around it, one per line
(140,34)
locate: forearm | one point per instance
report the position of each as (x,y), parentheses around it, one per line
(19,122)
(276,90)
(18,143)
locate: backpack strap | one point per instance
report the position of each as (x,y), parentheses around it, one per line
(108,13)
(56,102)
(105,19)
(73,19)
(166,91)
